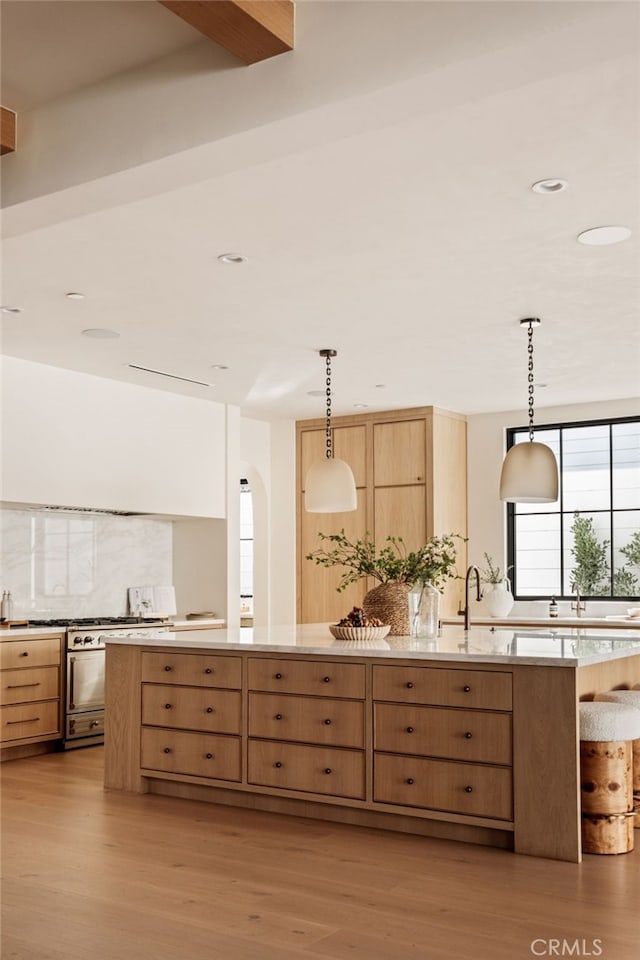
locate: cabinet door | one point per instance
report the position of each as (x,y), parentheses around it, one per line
(400,512)
(320,601)
(349,444)
(399,453)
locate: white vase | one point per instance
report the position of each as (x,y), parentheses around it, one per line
(498,599)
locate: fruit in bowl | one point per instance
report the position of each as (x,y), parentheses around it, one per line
(358,626)
(358,618)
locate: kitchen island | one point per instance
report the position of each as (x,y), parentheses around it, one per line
(473,736)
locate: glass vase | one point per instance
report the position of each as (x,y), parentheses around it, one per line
(424,609)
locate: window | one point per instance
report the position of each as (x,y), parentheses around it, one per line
(591,535)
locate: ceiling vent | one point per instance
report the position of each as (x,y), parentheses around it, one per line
(90,510)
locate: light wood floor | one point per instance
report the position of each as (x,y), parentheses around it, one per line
(109,876)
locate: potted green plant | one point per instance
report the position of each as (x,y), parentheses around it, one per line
(497,594)
(396,569)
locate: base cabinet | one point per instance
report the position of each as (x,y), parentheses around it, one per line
(30,683)
(439,748)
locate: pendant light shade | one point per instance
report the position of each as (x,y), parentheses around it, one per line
(529,474)
(530,470)
(329,485)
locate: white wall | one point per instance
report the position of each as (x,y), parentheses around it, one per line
(486,439)
(72,439)
(200,566)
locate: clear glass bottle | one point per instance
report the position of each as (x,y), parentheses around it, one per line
(424,609)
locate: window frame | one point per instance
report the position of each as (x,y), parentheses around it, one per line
(560,426)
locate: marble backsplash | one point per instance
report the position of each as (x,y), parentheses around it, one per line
(59,564)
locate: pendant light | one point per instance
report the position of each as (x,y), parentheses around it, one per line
(329,486)
(530,471)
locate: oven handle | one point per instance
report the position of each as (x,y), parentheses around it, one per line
(72,663)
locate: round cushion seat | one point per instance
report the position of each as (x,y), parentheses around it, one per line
(630,698)
(608,722)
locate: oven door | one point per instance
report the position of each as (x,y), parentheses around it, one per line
(85,680)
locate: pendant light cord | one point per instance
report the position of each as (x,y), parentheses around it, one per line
(329,452)
(530,379)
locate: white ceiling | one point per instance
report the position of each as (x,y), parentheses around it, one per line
(377,179)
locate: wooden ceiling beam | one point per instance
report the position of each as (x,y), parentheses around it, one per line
(252,30)
(7,131)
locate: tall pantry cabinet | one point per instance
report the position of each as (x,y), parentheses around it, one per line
(410,468)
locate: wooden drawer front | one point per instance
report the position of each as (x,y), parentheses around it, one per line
(30,720)
(23,686)
(315,677)
(308,719)
(443,732)
(191,709)
(194,754)
(327,770)
(473,789)
(29,653)
(447,688)
(193,670)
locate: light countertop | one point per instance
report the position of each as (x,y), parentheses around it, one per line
(541,647)
(31,633)
(610,623)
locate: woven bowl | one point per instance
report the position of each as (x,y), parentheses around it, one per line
(358,633)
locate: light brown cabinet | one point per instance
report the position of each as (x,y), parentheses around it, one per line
(410,470)
(191,714)
(30,679)
(317,704)
(443,740)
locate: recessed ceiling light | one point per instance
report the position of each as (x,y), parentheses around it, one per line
(218,366)
(361,406)
(8,309)
(552,185)
(232,258)
(100,333)
(603,236)
(74,295)
(315,393)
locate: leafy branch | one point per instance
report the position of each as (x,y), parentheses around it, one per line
(434,562)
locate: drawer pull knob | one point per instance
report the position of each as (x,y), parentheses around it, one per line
(277,764)
(326,679)
(278,676)
(469,789)
(167,706)
(25,653)
(467,688)
(168,668)
(410,780)
(209,756)
(409,729)
(208,670)
(210,710)
(409,685)
(328,770)
(468,734)
(328,722)
(167,750)
(278,716)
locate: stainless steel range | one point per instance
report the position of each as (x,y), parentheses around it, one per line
(85,668)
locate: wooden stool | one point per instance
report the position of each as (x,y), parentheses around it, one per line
(630,698)
(606,786)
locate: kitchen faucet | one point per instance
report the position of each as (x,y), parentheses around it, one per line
(467,608)
(577,605)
